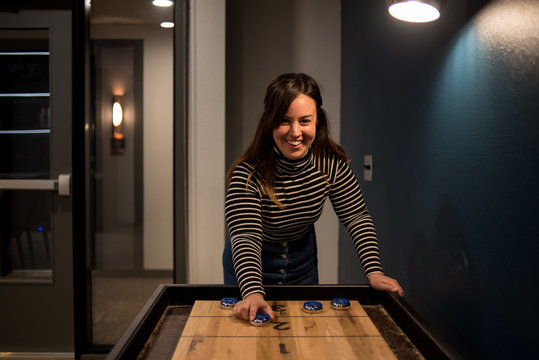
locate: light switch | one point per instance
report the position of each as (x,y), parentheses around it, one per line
(367,167)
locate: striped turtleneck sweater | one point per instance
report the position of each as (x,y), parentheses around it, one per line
(301,186)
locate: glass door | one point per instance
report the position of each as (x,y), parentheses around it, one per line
(130,241)
(36,250)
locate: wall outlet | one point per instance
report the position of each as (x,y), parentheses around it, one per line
(367,167)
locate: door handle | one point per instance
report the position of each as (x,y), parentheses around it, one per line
(62,185)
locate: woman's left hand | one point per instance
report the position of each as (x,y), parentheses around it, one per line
(381,282)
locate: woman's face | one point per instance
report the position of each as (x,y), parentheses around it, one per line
(296,133)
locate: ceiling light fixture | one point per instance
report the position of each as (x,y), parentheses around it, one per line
(418,11)
(163,3)
(167,24)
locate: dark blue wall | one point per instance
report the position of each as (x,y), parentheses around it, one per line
(450,112)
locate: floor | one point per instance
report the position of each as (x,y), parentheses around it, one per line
(117,301)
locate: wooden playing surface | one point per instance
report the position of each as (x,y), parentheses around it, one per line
(214,333)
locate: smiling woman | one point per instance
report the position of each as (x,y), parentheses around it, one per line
(277,192)
(295,135)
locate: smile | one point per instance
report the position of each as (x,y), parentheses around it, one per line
(293,142)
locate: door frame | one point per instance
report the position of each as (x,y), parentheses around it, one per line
(82,113)
(80,184)
(180,183)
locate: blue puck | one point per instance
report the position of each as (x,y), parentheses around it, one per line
(228,302)
(312,307)
(340,304)
(261,319)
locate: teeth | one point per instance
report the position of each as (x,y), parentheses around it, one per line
(294,143)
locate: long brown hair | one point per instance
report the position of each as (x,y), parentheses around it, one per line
(280,93)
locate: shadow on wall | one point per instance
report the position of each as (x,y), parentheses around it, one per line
(452,298)
(449,112)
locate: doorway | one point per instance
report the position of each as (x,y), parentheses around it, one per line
(54,276)
(130,174)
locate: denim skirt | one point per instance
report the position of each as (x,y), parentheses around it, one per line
(287,262)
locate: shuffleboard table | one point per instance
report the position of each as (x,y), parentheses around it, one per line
(187,322)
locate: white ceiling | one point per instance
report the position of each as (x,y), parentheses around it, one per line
(128,12)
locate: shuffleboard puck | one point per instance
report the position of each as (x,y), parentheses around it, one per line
(228,302)
(261,319)
(312,307)
(340,304)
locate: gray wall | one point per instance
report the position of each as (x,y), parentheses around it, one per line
(264,40)
(449,112)
(118,177)
(269,38)
(157,110)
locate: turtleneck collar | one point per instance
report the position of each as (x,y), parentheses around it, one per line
(291,166)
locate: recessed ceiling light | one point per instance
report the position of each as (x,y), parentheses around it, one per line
(163,2)
(167,24)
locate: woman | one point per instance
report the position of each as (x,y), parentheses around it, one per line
(277,190)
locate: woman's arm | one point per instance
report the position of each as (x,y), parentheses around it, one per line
(349,205)
(348,202)
(243,218)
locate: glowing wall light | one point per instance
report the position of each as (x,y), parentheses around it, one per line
(418,11)
(117,114)
(117,141)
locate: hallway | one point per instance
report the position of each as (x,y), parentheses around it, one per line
(117,301)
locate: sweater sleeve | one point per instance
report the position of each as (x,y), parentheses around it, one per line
(243,218)
(349,205)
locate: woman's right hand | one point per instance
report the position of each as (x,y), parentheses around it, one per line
(379,281)
(248,307)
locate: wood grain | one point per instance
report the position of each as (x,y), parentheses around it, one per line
(214,333)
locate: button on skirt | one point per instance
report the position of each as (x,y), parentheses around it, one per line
(287,262)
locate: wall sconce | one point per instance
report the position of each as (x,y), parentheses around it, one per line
(117,141)
(418,11)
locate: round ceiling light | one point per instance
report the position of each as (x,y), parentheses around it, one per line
(414,10)
(163,3)
(167,24)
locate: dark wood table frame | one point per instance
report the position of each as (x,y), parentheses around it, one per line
(135,337)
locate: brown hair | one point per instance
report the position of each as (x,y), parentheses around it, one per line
(280,93)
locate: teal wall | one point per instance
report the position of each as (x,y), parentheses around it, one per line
(450,112)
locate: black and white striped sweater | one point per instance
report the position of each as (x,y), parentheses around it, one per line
(302,186)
